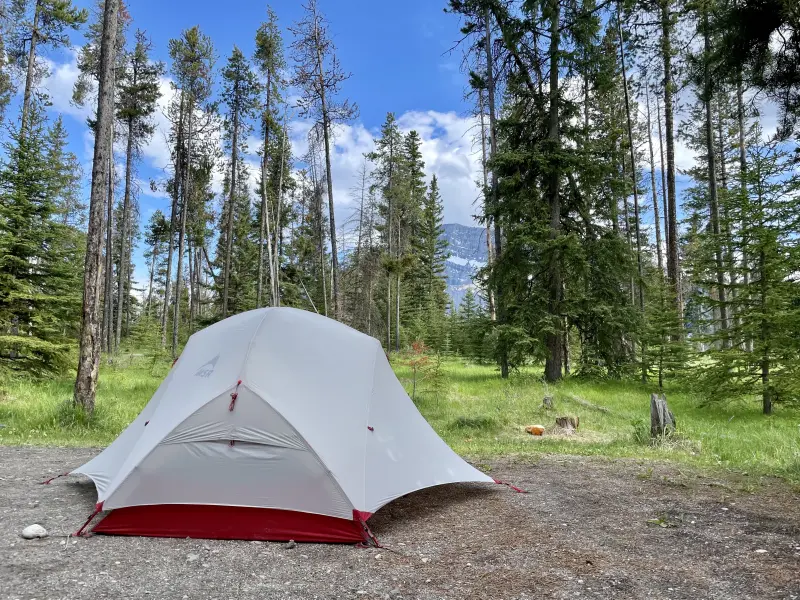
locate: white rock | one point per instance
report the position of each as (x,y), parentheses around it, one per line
(34,531)
(192,557)
(761,551)
(425,560)
(378,556)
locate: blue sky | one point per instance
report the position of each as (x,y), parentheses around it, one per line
(400,61)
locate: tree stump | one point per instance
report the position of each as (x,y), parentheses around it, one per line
(569,424)
(547,402)
(662,421)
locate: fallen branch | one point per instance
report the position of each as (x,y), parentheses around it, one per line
(587,404)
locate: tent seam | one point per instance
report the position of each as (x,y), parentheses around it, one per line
(252,341)
(366,425)
(153,449)
(308,446)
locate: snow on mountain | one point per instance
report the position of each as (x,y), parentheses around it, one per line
(467,248)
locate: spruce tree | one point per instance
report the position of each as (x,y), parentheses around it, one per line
(39,255)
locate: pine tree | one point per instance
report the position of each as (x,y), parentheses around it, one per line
(240,93)
(193,59)
(39,24)
(270,62)
(319,76)
(138,88)
(39,255)
(432,254)
(89,355)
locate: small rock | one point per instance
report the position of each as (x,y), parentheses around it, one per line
(290,544)
(395,594)
(192,557)
(378,556)
(34,531)
(425,560)
(761,551)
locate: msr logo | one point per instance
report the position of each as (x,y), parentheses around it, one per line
(207,369)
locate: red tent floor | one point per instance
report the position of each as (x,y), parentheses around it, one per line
(231,523)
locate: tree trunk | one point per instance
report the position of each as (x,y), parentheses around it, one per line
(153,263)
(130,288)
(108,282)
(730,262)
(713,196)
(275,269)
(663,174)
(263,224)
(634,178)
(659,252)
(187,196)
(123,252)
(174,211)
(89,354)
(487,211)
(498,235)
(662,421)
(326,125)
(30,71)
(231,206)
(554,339)
(748,343)
(673,262)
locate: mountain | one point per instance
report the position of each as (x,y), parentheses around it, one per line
(467,247)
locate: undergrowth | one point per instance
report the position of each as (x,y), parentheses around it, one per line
(476,412)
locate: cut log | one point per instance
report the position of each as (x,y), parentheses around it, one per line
(547,402)
(662,421)
(568,423)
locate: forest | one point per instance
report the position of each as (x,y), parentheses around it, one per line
(600,267)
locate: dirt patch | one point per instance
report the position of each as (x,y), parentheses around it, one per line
(588,528)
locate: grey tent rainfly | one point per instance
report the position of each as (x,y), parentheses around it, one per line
(274,424)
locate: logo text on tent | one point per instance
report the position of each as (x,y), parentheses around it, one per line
(207,369)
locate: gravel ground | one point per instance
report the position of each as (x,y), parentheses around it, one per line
(588,528)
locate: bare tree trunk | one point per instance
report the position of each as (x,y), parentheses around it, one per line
(712,191)
(123,251)
(659,252)
(172,217)
(326,125)
(663,173)
(264,201)
(275,269)
(153,263)
(554,339)
(634,182)
(634,178)
(108,282)
(748,343)
(190,287)
(498,235)
(486,208)
(30,72)
(89,354)
(231,209)
(673,262)
(187,196)
(130,288)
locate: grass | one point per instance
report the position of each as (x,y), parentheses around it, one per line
(475,411)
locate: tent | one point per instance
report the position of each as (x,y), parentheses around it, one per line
(274,424)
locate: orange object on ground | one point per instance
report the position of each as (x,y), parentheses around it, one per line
(535,429)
